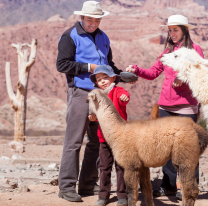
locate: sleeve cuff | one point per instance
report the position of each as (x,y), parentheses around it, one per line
(84,68)
(136,69)
(89,67)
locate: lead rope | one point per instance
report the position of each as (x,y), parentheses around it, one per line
(109,88)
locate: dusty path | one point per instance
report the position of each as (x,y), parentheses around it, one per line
(49,198)
(47,195)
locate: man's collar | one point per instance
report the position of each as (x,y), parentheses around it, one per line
(80,29)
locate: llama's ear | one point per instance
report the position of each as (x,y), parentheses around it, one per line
(204,62)
(92,95)
(109,88)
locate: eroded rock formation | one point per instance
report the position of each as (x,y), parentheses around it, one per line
(136,38)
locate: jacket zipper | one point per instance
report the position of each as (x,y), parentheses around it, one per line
(96,48)
(98,52)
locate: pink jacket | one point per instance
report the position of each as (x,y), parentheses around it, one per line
(169,96)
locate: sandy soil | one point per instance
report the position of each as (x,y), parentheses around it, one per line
(46,194)
(37,197)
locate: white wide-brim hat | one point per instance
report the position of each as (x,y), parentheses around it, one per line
(92,9)
(179,20)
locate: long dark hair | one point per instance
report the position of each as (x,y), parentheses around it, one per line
(185,41)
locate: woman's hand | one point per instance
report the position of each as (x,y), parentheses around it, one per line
(177,83)
(130,68)
(124,98)
(92,117)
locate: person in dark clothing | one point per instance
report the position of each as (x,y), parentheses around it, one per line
(80,50)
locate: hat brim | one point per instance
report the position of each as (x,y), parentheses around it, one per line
(105,13)
(92,78)
(177,24)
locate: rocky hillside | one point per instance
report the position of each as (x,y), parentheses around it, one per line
(136,38)
(20,11)
(203,3)
(40,118)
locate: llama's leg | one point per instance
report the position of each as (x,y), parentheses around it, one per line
(145,184)
(189,185)
(131,178)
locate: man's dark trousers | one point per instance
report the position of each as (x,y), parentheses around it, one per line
(77,124)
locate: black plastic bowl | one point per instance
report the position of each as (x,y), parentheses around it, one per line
(128,76)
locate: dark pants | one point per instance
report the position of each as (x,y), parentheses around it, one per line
(105,165)
(169,171)
(77,124)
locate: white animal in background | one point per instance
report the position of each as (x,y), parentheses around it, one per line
(17,147)
(192,69)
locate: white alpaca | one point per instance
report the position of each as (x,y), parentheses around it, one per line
(192,71)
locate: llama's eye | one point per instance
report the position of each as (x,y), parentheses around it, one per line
(87,100)
(175,56)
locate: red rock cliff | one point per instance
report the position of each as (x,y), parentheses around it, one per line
(152,4)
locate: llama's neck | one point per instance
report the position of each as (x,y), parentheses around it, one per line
(197,81)
(111,123)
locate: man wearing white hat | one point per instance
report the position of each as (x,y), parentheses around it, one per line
(81,48)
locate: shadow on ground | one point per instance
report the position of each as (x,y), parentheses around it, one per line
(112,200)
(160,202)
(164,201)
(203,196)
(170,200)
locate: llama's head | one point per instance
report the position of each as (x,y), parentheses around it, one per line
(183,61)
(97,99)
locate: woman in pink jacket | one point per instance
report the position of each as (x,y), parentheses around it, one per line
(176,97)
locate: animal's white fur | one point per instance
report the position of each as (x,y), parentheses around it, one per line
(17,146)
(192,70)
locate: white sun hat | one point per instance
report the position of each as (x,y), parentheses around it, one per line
(92,9)
(179,20)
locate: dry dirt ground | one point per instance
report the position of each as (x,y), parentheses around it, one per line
(46,194)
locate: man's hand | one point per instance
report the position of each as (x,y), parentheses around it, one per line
(177,83)
(124,98)
(92,67)
(92,117)
(130,68)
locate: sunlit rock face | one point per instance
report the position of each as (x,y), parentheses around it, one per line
(136,38)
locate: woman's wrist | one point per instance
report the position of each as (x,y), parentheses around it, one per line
(136,69)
